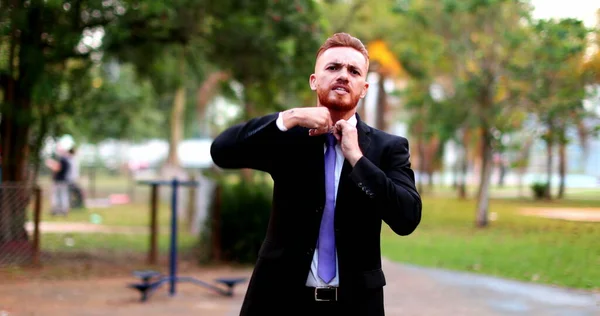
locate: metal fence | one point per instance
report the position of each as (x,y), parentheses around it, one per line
(20,206)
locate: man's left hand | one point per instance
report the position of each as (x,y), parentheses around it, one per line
(347,137)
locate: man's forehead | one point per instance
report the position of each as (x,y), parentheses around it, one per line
(343,55)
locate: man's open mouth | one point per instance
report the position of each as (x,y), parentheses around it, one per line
(340,89)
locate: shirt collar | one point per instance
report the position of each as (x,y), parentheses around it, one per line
(352,120)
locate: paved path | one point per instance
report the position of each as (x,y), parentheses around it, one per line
(432,292)
(82,227)
(410,291)
(569,214)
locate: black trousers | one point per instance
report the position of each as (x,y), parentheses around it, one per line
(367,302)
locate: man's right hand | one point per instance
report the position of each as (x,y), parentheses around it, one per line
(317,119)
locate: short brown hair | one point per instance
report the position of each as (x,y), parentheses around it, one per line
(343,40)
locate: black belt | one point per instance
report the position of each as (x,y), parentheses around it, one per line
(324,294)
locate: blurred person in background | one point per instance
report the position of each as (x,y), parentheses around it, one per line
(60,182)
(75,192)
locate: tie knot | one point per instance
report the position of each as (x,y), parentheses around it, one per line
(330,140)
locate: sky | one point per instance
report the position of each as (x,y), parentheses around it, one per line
(584,10)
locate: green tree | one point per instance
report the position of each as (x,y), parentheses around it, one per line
(268,47)
(162,40)
(489,39)
(38,39)
(47,50)
(421,54)
(558,86)
(111,103)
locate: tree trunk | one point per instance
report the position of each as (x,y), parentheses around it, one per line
(37,147)
(25,65)
(464,166)
(205,93)
(523,162)
(501,172)
(430,179)
(176,126)
(455,174)
(14,130)
(485,179)
(562,168)
(421,164)
(15,154)
(248,174)
(462,186)
(432,148)
(549,161)
(381,105)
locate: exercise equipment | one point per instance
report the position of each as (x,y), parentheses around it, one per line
(151,280)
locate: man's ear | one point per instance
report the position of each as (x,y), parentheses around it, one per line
(312,81)
(364,90)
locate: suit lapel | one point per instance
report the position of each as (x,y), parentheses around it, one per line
(317,150)
(364,131)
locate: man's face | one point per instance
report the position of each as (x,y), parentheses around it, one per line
(340,78)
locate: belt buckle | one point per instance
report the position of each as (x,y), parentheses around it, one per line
(326,289)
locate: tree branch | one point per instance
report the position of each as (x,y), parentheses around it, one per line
(352,12)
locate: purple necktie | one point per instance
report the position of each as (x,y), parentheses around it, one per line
(326,269)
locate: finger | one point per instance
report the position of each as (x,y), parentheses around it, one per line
(326,120)
(327,117)
(338,134)
(342,125)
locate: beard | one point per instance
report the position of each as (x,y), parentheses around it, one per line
(336,102)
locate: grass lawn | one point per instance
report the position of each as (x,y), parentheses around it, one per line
(116,244)
(137,214)
(549,251)
(112,243)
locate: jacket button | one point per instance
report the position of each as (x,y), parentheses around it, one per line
(310,251)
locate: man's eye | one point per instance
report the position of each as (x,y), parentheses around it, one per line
(355,72)
(331,68)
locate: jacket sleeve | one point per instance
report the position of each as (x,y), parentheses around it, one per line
(394,191)
(252,145)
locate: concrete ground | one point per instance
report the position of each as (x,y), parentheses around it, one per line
(569,214)
(410,291)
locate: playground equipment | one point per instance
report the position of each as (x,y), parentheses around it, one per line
(151,280)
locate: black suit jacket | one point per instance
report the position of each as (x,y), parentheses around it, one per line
(381,186)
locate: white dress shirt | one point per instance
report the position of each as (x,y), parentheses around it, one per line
(313,279)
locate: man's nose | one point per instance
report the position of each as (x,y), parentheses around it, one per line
(343,76)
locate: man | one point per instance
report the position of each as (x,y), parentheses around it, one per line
(335,180)
(60,188)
